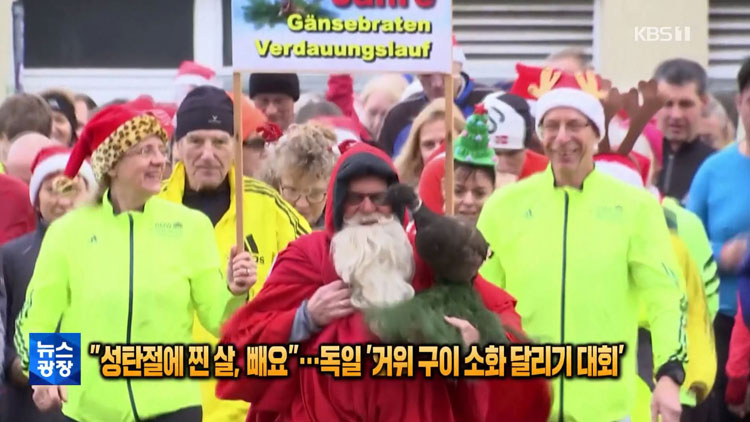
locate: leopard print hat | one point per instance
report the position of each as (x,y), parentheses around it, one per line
(108,135)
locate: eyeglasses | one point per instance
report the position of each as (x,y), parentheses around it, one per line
(149,151)
(293,195)
(356,198)
(553,128)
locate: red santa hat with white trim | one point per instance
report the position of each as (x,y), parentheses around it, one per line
(106,138)
(190,75)
(632,169)
(620,167)
(50,161)
(582,92)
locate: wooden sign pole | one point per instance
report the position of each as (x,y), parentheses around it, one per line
(448,144)
(238,173)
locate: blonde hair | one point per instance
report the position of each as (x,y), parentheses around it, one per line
(715,108)
(409,161)
(391,83)
(305,149)
(101,189)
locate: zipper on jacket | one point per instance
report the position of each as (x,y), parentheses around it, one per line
(130,318)
(562,295)
(668,173)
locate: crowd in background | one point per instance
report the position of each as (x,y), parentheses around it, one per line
(692,156)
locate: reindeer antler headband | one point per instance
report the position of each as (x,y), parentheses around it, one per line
(582,91)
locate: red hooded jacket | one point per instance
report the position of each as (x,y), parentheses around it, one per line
(306,395)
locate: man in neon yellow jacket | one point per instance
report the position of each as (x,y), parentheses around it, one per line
(204,180)
(579,249)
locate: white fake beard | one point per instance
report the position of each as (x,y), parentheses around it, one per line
(375,260)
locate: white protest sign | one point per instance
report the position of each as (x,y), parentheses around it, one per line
(342,36)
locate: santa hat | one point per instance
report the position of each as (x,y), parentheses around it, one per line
(190,75)
(108,135)
(632,169)
(526,77)
(165,112)
(644,166)
(458,52)
(581,92)
(342,147)
(51,160)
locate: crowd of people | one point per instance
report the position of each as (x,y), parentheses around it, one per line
(118,221)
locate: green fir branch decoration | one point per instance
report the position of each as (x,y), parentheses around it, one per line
(262,12)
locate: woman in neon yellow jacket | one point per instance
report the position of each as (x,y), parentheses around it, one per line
(131,268)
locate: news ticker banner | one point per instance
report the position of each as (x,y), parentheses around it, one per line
(55,359)
(356,361)
(343,36)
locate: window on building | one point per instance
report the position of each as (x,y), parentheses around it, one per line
(497,35)
(107,34)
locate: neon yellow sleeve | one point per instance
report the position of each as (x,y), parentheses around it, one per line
(211,297)
(492,269)
(697,239)
(48,294)
(653,269)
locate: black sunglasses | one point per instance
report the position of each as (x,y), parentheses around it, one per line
(356,198)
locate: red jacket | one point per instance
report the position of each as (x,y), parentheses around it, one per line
(738,362)
(533,163)
(17,216)
(307,396)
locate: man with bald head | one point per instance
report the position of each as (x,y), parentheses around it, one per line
(22,152)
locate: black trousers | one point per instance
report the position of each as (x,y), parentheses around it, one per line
(189,414)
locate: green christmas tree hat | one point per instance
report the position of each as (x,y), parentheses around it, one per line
(472,146)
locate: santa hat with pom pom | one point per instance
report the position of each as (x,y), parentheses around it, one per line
(108,135)
(191,75)
(51,160)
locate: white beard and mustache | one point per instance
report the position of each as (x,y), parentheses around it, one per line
(375,260)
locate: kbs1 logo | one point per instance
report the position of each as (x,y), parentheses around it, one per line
(55,359)
(662,33)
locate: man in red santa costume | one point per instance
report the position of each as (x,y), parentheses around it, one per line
(314,295)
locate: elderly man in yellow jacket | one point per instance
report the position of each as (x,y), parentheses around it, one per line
(203,180)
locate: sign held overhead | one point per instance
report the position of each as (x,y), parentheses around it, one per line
(342,35)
